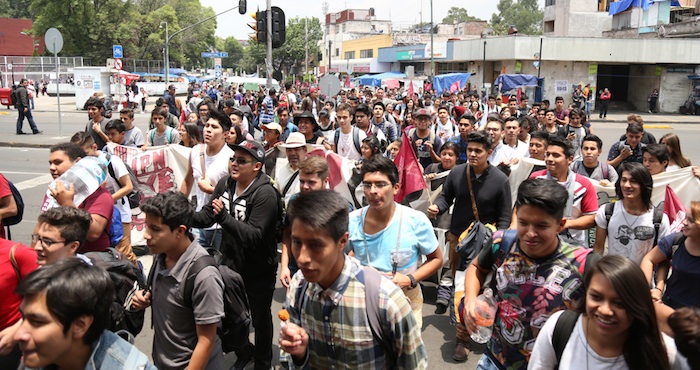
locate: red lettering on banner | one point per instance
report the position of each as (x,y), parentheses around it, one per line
(159,159)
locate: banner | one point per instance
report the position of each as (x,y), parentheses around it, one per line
(158,169)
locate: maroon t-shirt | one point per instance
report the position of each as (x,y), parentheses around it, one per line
(26,261)
(99,203)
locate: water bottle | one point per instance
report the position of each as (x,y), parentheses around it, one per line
(485,310)
(86,176)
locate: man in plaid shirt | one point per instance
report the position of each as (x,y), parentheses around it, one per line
(329,312)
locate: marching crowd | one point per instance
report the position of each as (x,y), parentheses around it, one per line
(257,183)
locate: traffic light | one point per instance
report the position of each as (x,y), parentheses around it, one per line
(242,6)
(259,27)
(279,27)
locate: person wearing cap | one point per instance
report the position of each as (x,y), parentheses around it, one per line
(287,177)
(425,142)
(271,134)
(169,96)
(306,122)
(312,103)
(245,204)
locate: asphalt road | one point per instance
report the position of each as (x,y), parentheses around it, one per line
(28,169)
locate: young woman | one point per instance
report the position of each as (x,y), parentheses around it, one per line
(161,134)
(393,149)
(394,114)
(676,158)
(449,152)
(683,250)
(189,134)
(630,230)
(144,99)
(474,109)
(617,326)
(193,117)
(369,147)
(235,135)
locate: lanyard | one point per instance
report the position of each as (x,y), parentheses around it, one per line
(395,257)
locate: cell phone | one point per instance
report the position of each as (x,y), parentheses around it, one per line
(626,147)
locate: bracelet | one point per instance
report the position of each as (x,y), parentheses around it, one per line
(657,288)
(414,283)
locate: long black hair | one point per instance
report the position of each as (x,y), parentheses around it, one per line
(640,175)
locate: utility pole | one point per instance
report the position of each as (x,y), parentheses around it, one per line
(329,53)
(306,38)
(432,45)
(269,44)
(483,67)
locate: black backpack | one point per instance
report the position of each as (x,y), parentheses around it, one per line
(14,96)
(127,279)
(235,324)
(136,194)
(14,220)
(657,218)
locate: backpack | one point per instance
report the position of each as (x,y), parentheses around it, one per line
(168,132)
(355,138)
(136,194)
(562,332)
(678,239)
(281,209)
(14,220)
(127,279)
(603,167)
(235,324)
(115,232)
(14,96)
(371,279)
(657,218)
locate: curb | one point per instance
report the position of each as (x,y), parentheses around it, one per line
(14,144)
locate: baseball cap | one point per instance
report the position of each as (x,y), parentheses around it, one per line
(171,87)
(254,148)
(421,112)
(313,89)
(273,126)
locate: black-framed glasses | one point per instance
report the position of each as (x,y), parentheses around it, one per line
(379,185)
(240,161)
(46,242)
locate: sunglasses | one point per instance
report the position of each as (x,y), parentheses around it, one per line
(240,161)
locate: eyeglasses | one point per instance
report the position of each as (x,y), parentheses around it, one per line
(46,242)
(379,185)
(240,161)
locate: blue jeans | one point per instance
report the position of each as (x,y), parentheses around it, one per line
(485,363)
(210,238)
(20,120)
(589,106)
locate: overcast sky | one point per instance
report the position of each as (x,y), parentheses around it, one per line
(401,12)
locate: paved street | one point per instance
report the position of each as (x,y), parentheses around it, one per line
(25,163)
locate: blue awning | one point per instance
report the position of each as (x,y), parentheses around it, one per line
(376,80)
(513,81)
(445,82)
(175,71)
(693,78)
(622,5)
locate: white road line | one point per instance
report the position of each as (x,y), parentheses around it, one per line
(24,173)
(31,183)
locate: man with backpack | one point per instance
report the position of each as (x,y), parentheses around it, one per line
(184,335)
(364,302)
(20,99)
(249,210)
(8,205)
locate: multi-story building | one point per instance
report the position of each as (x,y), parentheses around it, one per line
(576,18)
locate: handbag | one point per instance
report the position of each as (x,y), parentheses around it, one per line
(478,235)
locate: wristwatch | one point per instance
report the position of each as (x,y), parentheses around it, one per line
(414,283)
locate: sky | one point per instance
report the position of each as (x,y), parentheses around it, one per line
(401,12)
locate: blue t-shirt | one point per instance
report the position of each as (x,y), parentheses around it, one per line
(681,290)
(417,238)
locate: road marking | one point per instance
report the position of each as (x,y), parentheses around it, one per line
(4,113)
(24,173)
(658,126)
(31,183)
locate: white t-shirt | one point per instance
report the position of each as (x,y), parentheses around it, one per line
(448,130)
(628,235)
(291,100)
(346,145)
(577,354)
(521,149)
(113,186)
(217,168)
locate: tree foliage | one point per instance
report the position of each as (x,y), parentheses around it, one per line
(525,15)
(458,15)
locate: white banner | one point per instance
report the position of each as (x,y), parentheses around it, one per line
(158,169)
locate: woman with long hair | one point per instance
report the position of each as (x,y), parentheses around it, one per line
(676,158)
(475,110)
(630,228)
(683,250)
(189,134)
(234,136)
(369,147)
(616,327)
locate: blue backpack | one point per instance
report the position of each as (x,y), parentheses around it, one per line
(115,232)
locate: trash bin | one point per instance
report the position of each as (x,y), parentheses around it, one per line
(5,96)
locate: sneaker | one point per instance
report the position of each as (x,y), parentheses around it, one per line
(245,359)
(651,112)
(21,133)
(461,352)
(440,306)
(38,132)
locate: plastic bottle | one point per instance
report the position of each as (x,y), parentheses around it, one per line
(485,309)
(86,175)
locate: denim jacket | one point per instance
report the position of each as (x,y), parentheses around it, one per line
(111,352)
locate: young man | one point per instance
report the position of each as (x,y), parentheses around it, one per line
(285,123)
(537,148)
(379,235)
(466,126)
(363,115)
(444,127)
(267,111)
(319,237)
(99,204)
(96,125)
(169,98)
(66,309)
(62,231)
(184,337)
(574,132)
(582,203)
(513,107)
(523,107)
(647,138)
(379,119)
(655,158)
(119,185)
(590,166)
(561,114)
(207,165)
(500,153)
(308,126)
(493,202)
(536,256)
(527,125)
(271,136)
(115,132)
(425,142)
(550,122)
(629,150)
(605,96)
(171,120)
(348,139)
(245,204)
(510,137)
(133,136)
(23,108)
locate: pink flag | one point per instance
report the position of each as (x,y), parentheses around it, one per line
(674,209)
(410,174)
(410,89)
(454,87)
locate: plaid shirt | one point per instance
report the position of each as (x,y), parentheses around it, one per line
(339,332)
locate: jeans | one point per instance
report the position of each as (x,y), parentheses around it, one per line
(20,120)
(209,238)
(589,106)
(485,363)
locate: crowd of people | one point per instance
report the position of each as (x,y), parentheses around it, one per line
(253,187)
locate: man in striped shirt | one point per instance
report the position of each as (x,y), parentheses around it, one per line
(330,313)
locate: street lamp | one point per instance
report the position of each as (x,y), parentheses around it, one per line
(165,52)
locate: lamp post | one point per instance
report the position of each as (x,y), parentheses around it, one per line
(432,45)
(165,53)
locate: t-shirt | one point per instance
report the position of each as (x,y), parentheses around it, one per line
(169,136)
(26,261)
(636,156)
(595,173)
(447,130)
(98,203)
(416,238)
(681,290)
(520,150)
(113,186)
(134,137)
(628,235)
(528,292)
(4,192)
(216,166)
(502,153)
(585,200)
(95,136)
(422,151)
(346,146)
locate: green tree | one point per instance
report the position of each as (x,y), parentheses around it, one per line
(15,9)
(293,52)
(525,15)
(458,15)
(234,50)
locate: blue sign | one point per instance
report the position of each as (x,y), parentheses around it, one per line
(96,85)
(117,52)
(214,54)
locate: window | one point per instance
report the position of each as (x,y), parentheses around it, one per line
(337,52)
(349,55)
(549,26)
(367,53)
(550,2)
(344,27)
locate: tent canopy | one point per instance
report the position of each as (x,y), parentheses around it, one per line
(622,5)
(513,81)
(174,71)
(376,80)
(446,81)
